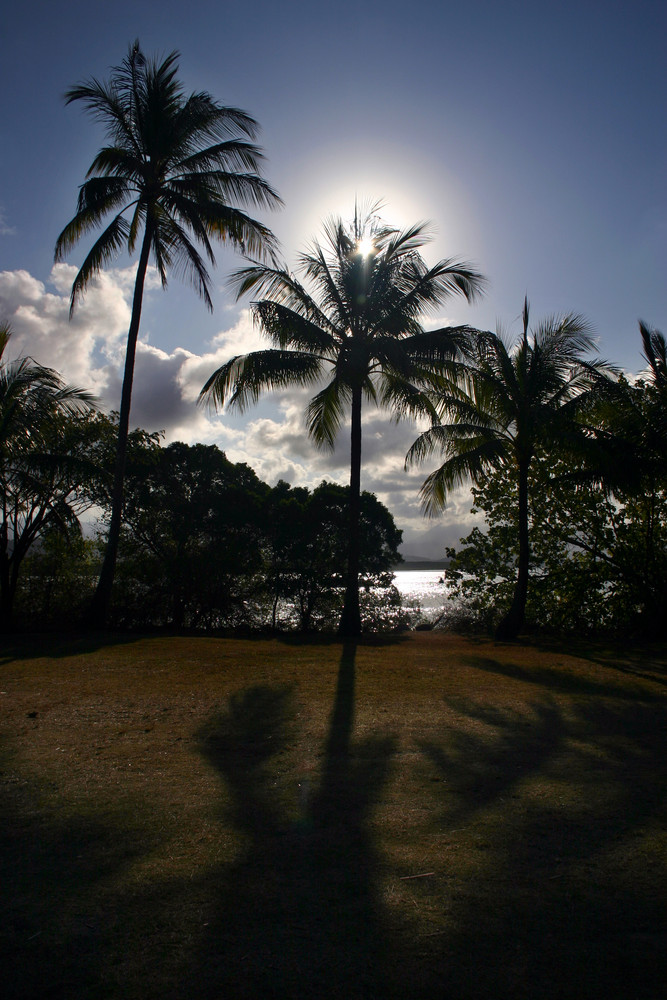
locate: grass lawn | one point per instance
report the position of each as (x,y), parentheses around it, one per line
(420,816)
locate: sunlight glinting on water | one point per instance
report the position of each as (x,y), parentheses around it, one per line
(427,586)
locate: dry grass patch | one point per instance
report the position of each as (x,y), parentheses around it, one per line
(417,816)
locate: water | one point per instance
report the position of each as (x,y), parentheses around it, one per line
(427,587)
(424,597)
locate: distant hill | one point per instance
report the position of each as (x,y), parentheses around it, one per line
(414,562)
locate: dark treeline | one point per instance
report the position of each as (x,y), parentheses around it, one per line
(205,544)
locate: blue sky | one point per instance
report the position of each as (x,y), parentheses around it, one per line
(531,134)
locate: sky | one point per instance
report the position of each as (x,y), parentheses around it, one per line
(530,134)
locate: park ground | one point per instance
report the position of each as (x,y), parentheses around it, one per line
(416,816)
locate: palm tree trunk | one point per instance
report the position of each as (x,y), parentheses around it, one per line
(100,605)
(512,623)
(350,622)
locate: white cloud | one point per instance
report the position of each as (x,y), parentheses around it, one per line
(241,338)
(81,348)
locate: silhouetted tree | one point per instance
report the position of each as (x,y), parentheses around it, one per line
(178,166)
(359,332)
(193,535)
(42,453)
(307,536)
(499,404)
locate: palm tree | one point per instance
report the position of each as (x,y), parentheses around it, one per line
(499,404)
(655,352)
(359,332)
(36,480)
(177,166)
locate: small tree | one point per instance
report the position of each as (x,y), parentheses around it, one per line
(44,462)
(572,535)
(193,536)
(307,551)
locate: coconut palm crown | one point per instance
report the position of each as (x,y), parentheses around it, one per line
(497,405)
(171,178)
(357,335)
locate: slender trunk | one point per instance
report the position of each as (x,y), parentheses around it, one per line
(512,623)
(10,562)
(102,599)
(350,622)
(9,586)
(5,595)
(5,605)
(274,614)
(178,608)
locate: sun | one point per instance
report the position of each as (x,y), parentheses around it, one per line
(365,246)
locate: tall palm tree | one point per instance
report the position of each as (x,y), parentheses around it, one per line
(37,483)
(178,166)
(359,332)
(497,405)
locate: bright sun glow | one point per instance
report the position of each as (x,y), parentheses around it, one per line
(365,246)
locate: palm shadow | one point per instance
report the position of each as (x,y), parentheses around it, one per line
(647,661)
(559,916)
(57,939)
(550,678)
(296,913)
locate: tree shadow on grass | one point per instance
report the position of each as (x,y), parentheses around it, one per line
(564,681)
(645,660)
(535,887)
(60,930)
(477,772)
(34,645)
(545,808)
(296,914)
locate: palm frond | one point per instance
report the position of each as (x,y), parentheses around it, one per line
(283,288)
(327,279)
(438,347)
(470,465)
(97,198)
(103,250)
(5,335)
(655,352)
(326,411)
(183,257)
(403,398)
(232,154)
(288,329)
(242,379)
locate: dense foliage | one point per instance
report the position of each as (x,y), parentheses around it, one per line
(206,544)
(44,463)
(598,533)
